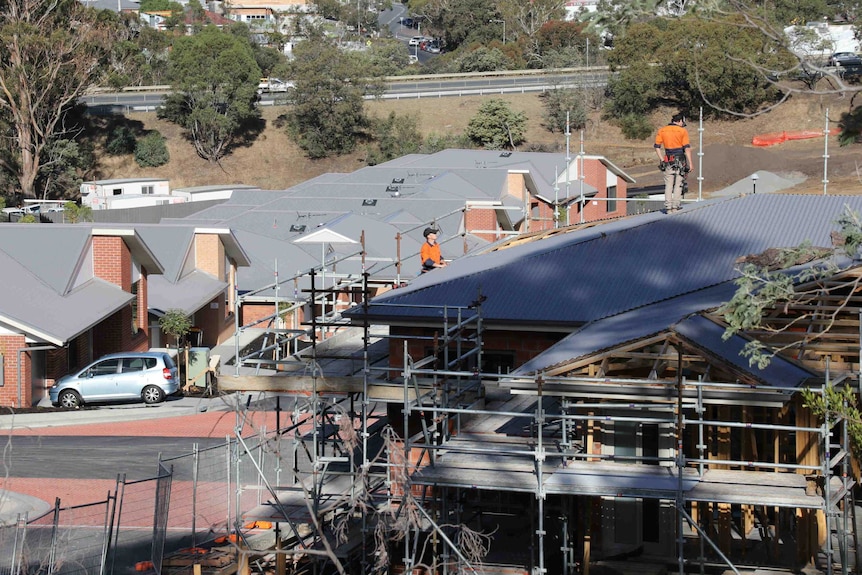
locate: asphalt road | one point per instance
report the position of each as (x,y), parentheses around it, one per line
(70,457)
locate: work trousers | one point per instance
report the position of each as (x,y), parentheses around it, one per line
(672,188)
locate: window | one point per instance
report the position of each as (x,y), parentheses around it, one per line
(131,364)
(107,367)
(612,195)
(147,189)
(117,191)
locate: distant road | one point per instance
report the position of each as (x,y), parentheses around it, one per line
(402,87)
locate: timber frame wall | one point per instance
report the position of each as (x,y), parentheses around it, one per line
(727,459)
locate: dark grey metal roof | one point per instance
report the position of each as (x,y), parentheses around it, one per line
(619,265)
(679,315)
(611,332)
(708,335)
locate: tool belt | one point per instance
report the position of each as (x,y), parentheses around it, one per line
(679,163)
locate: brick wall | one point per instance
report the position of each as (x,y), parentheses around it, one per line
(9,346)
(481,219)
(143,319)
(112,261)
(515,186)
(251,312)
(596,175)
(212,322)
(209,255)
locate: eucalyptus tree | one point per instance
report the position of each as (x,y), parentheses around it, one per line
(214,77)
(50,54)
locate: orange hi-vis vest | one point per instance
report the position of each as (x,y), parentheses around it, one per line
(674,139)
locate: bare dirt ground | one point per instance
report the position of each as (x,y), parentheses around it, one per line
(273,161)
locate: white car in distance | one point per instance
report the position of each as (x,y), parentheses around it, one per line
(273,85)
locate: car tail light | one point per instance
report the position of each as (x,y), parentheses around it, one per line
(167,373)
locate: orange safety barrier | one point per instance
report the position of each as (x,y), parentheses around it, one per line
(226,538)
(780,137)
(258,525)
(144,566)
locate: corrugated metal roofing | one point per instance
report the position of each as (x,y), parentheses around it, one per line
(636,324)
(619,265)
(30,304)
(707,334)
(170,244)
(50,251)
(189,294)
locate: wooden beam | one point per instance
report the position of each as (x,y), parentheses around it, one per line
(302,384)
(289,383)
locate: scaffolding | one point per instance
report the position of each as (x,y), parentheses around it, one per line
(690,472)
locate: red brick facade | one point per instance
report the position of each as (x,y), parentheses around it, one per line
(216,319)
(9,346)
(481,220)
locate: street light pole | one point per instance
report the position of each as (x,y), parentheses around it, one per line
(503,22)
(754,178)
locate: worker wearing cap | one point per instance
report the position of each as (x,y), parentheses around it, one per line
(430,252)
(676,160)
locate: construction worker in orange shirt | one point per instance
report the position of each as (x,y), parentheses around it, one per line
(430,252)
(675,162)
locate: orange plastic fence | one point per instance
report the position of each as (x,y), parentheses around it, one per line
(779,137)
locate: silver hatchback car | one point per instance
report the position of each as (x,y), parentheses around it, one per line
(148,375)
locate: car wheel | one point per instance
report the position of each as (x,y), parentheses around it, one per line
(69,399)
(152,394)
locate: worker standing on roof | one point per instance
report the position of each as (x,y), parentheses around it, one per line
(675,162)
(430,252)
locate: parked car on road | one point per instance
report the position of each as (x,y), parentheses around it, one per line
(416,40)
(847,65)
(149,376)
(844,59)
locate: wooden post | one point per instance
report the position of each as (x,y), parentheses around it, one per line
(280,558)
(725,536)
(807,453)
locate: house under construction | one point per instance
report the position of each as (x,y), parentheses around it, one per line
(569,402)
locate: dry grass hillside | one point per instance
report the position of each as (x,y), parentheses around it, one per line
(273,161)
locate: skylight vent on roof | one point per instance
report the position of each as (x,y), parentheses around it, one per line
(392,188)
(505,154)
(369,202)
(397,180)
(296,228)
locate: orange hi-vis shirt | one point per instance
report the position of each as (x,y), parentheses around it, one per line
(429,252)
(674,139)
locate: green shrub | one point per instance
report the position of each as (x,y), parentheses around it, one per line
(121,141)
(635,127)
(152,151)
(562,104)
